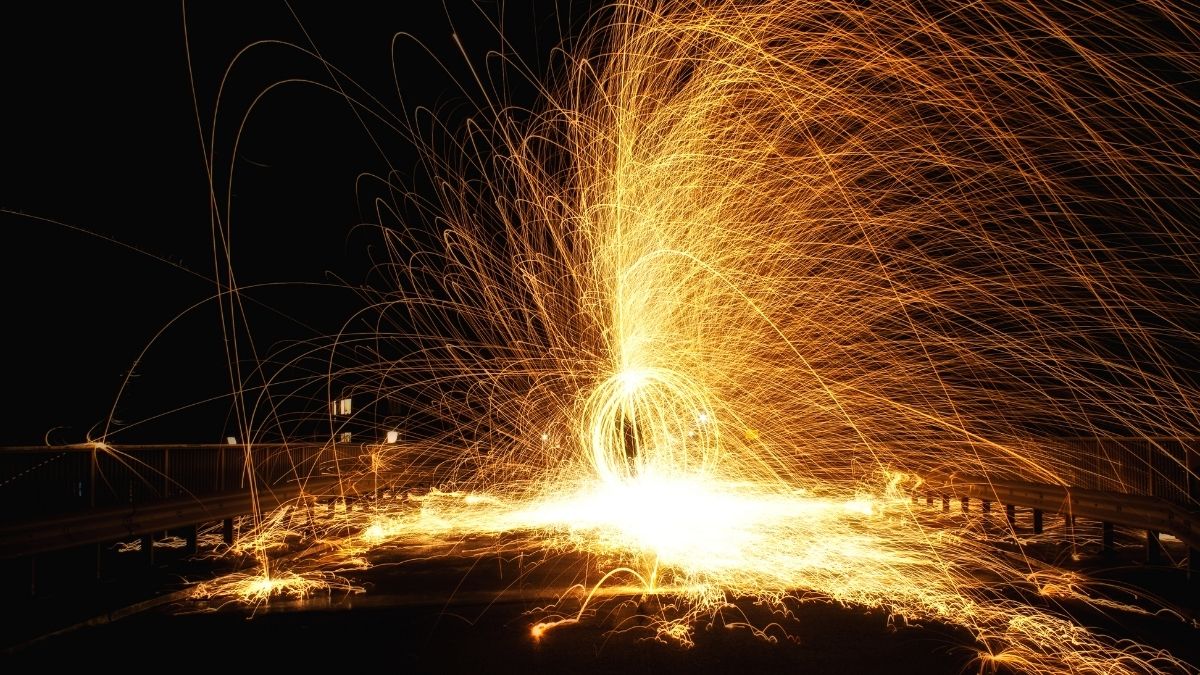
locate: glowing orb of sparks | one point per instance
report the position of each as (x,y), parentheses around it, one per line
(650,421)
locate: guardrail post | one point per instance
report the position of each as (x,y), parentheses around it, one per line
(1010,512)
(100,549)
(1153,548)
(1108,538)
(227,531)
(189,537)
(148,549)
(310,508)
(92,480)
(1037,521)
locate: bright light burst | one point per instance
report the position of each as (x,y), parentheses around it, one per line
(753,268)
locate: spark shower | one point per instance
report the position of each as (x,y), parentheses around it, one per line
(745,276)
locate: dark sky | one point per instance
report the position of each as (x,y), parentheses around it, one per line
(100,135)
(104,198)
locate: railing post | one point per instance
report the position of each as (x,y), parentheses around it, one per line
(148,549)
(190,535)
(92,481)
(1153,548)
(1010,512)
(966,504)
(1149,467)
(1037,521)
(227,531)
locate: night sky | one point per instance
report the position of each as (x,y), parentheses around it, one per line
(105,202)
(105,199)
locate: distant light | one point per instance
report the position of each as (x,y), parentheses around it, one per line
(345,437)
(702,418)
(393,436)
(545,437)
(343,406)
(231,440)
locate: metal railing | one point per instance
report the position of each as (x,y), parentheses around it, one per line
(1163,467)
(1147,483)
(62,497)
(114,523)
(38,481)
(41,484)
(1153,514)
(1146,466)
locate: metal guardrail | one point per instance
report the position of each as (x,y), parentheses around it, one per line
(125,522)
(54,498)
(1140,482)
(1149,466)
(1152,466)
(1153,514)
(40,481)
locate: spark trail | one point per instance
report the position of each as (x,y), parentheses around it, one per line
(695,314)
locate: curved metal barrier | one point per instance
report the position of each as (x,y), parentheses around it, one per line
(1153,514)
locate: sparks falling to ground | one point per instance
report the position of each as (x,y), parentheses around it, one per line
(752,271)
